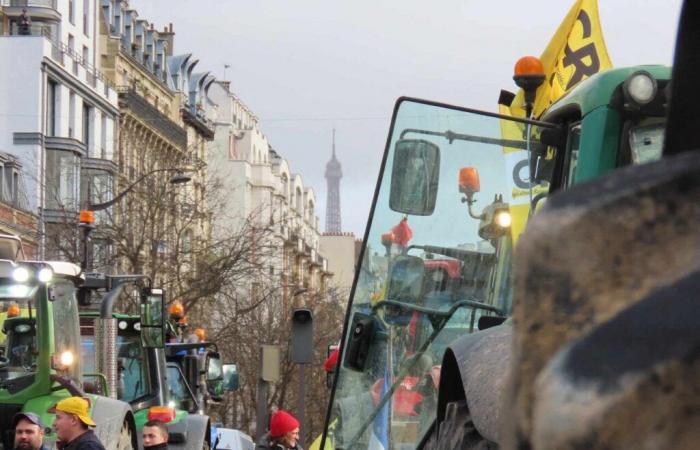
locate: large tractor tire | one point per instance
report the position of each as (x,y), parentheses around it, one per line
(457,431)
(126,438)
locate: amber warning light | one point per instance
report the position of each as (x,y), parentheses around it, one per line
(468,180)
(529,75)
(87,216)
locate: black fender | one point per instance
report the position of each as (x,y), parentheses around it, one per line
(475,369)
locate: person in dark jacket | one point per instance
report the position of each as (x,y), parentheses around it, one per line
(155,435)
(29,431)
(283,434)
(72,425)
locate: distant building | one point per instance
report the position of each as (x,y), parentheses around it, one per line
(164,125)
(342,252)
(261,189)
(59,113)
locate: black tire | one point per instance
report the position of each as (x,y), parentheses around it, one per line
(457,431)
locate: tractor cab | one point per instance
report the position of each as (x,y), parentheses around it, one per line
(455,191)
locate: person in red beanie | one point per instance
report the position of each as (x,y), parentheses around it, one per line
(283,434)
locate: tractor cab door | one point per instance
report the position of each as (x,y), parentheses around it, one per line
(454,192)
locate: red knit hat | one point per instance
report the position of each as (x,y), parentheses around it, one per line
(282,423)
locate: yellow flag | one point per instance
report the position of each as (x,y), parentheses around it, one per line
(577,51)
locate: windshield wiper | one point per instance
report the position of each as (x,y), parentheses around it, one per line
(442,317)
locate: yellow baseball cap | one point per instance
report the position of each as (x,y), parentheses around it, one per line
(77,406)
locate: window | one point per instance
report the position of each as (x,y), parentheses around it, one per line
(65,326)
(572,153)
(299,201)
(62,170)
(103,131)
(95,186)
(51,108)
(187,242)
(86,17)
(86,55)
(87,129)
(71,12)
(133,375)
(71,114)
(71,50)
(178,389)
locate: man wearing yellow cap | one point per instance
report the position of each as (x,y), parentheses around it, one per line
(71,425)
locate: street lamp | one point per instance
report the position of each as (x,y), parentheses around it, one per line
(87,216)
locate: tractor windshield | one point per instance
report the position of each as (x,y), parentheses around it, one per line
(454,193)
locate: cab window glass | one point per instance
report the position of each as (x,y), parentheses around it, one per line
(573,146)
(133,373)
(65,325)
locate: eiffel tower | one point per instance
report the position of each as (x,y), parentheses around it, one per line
(333,175)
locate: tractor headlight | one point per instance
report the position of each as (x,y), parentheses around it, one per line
(502,218)
(62,361)
(44,275)
(20,274)
(640,88)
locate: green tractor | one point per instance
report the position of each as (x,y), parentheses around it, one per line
(126,356)
(465,191)
(40,362)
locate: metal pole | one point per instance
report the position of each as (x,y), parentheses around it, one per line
(261,413)
(302,404)
(261,410)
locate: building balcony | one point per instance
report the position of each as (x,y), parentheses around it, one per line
(61,62)
(140,107)
(36,9)
(197,118)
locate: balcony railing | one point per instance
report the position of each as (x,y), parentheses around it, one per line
(30,3)
(198,119)
(59,50)
(151,115)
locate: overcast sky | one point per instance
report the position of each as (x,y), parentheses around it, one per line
(308,66)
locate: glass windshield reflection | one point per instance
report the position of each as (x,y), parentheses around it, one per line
(436,261)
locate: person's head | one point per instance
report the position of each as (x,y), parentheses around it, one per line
(72,418)
(155,433)
(29,431)
(284,429)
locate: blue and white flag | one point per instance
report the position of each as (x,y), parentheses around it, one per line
(379,437)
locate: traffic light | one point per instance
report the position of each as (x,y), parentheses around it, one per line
(302,336)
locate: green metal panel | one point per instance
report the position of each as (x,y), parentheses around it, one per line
(599,143)
(597,90)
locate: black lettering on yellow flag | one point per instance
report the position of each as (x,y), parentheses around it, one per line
(577,51)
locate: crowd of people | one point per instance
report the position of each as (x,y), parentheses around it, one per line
(73,430)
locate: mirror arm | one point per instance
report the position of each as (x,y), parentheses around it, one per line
(469,200)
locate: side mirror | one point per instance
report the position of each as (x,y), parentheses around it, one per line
(414,177)
(214,368)
(152,318)
(215,376)
(405,282)
(231,377)
(359,342)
